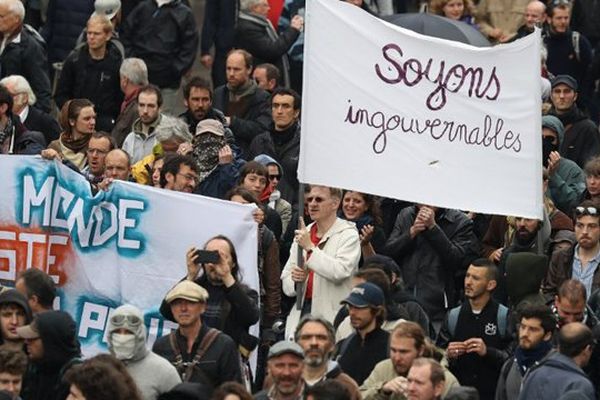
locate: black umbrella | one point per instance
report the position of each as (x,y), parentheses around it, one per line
(440,27)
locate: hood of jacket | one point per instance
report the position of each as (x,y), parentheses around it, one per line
(58,332)
(524,274)
(553,123)
(13,296)
(266,160)
(559,361)
(339,225)
(138,330)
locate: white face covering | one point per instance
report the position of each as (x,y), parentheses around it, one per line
(123,346)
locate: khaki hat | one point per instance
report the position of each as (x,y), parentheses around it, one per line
(187,290)
(28,331)
(211,126)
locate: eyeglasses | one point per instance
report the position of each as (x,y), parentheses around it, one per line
(120,319)
(315,199)
(191,178)
(586,211)
(273,177)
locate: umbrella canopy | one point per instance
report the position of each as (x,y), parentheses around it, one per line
(440,27)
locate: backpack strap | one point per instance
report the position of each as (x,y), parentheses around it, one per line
(502,319)
(175,348)
(205,344)
(453,320)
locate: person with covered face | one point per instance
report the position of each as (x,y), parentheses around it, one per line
(152,374)
(566,180)
(218,164)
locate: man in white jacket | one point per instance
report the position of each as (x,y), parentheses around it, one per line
(331,249)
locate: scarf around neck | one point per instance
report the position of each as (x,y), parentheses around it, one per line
(527,358)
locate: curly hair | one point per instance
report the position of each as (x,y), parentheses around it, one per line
(12,361)
(437,7)
(99,380)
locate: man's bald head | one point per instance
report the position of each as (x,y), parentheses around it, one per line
(575,341)
(535,13)
(117,164)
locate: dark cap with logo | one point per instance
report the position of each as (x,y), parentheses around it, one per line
(365,295)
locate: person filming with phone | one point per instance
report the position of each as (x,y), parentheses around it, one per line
(232,307)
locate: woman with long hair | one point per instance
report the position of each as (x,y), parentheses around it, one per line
(78,121)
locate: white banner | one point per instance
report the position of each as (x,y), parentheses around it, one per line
(126,245)
(390,112)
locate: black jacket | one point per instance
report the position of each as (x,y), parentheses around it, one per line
(582,140)
(40,121)
(65,19)
(96,80)
(238,310)
(255,121)
(28,59)
(44,378)
(472,369)
(218,28)
(166,38)
(220,363)
(256,35)
(358,357)
(286,154)
(431,260)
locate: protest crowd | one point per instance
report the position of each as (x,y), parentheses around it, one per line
(360,297)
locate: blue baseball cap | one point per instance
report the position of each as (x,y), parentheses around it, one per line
(365,295)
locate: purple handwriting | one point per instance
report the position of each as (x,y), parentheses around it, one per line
(412,71)
(491,133)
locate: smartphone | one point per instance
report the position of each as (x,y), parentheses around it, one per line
(206,256)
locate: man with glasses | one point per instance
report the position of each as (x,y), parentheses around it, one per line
(179,173)
(282,142)
(581,262)
(274,201)
(152,374)
(331,250)
(99,145)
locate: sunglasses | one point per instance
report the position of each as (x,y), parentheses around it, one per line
(586,211)
(315,199)
(119,320)
(273,177)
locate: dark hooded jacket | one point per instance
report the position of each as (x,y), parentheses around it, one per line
(568,181)
(96,80)
(582,140)
(431,260)
(44,378)
(553,377)
(285,148)
(12,296)
(165,37)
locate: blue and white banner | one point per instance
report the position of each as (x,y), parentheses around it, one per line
(394,113)
(126,245)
